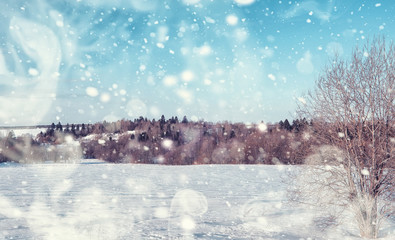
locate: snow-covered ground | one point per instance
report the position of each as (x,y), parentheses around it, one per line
(21,131)
(95,200)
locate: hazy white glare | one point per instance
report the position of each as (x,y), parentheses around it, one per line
(232,19)
(29,98)
(92,91)
(334,48)
(305,65)
(244,2)
(190,2)
(136,108)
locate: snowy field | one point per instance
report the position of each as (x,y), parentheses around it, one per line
(95,200)
(21,131)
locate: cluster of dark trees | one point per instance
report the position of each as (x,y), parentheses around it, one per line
(170,141)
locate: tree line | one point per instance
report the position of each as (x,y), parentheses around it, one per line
(170,141)
(349,148)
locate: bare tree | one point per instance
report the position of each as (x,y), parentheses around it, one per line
(353,111)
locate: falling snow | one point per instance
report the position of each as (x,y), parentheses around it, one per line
(92,91)
(146,201)
(210,59)
(238,61)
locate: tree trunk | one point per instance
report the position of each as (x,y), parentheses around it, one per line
(367,218)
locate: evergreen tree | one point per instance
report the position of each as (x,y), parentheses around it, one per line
(287,126)
(59,127)
(281,124)
(184,120)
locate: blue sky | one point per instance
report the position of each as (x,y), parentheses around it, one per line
(235,60)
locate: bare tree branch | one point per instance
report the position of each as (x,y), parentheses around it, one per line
(352,107)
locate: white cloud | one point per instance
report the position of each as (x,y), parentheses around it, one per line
(190,2)
(42,46)
(349,32)
(136,108)
(3,66)
(244,2)
(138,5)
(204,50)
(185,95)
(312,8)
(111,118)
(162,34)
(267,52)
(305,64)
(155,111)
(334,48)
(241,34)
